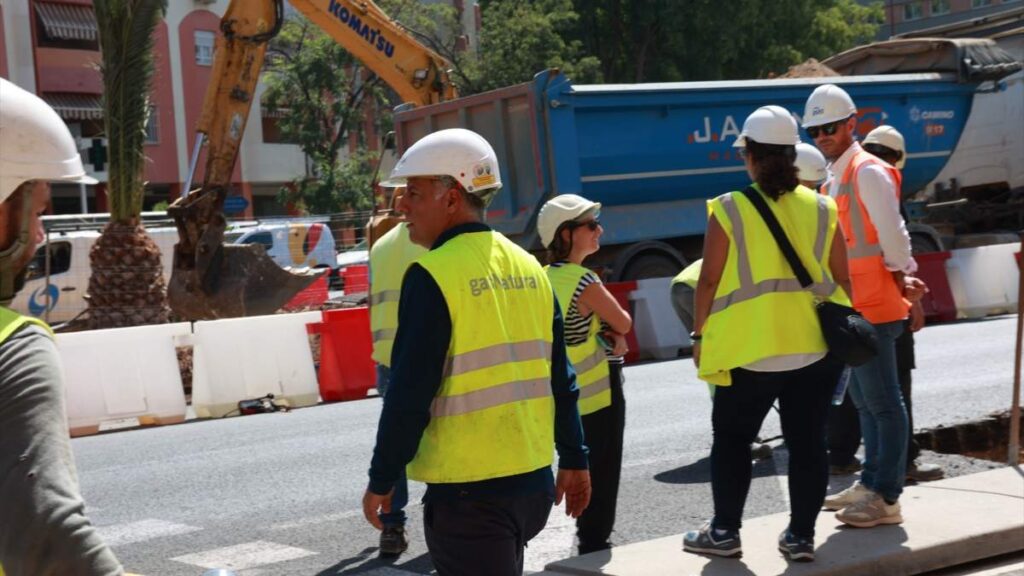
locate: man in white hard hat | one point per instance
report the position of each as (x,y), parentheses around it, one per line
(481,391)
(888,144)
(878,245)
(43,527)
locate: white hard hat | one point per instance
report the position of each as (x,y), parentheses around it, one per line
(810,163)
(558,211)
(769,125)
(456,152)
(890,138)
(828,103)
(35,144)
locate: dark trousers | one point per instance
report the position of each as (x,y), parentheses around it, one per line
(738,412)
(603,432)
(485,535)
(844,423)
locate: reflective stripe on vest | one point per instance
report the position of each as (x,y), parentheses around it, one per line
(390,257)
(11,322)
(760,310)
(875,293)
(749,289)
(588,358)
(493,415)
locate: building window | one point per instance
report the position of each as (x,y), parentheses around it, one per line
(940,7)
(980,3)
(912,11)
(153,126)
(204,47)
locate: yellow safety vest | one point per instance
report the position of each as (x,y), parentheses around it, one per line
(690,275)
(390,257)
(760,310)
(11,322)
(494,413)
(588,358)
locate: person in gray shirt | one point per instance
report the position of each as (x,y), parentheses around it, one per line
(43,527)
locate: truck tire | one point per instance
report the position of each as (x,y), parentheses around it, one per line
(923,244)
(651,266)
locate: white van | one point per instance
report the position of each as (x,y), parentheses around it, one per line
(292,244)
(63,297)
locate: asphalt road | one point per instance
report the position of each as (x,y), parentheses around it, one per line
(280,494)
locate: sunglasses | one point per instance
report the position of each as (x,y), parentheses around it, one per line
(826,129)
(742,153)
(591,224)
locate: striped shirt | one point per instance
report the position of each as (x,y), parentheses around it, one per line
(577,326)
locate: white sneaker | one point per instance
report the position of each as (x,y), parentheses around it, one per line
(847,497)
(870,512)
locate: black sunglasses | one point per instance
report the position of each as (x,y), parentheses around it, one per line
(591,224)
(827,129)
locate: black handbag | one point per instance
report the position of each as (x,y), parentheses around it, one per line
(848,335)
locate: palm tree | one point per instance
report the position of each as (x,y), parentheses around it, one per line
(127,286)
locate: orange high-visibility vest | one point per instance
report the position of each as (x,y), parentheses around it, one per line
(875,292)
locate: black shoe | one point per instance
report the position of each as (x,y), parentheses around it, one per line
(796,548)
(852,467)
(587,548)
(706,541)
(393,541)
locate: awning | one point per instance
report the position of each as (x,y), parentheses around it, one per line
(67,21)
(76,106)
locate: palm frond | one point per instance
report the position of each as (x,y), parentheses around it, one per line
(126,34)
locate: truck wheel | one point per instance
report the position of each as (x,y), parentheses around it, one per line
(651,266)
(922,244)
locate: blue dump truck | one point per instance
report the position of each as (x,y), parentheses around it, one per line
(652,154)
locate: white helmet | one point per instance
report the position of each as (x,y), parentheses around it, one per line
(810,163)
(891,138)
(828,103)
(35,144)
(560,210)
(769,125)
(456,152)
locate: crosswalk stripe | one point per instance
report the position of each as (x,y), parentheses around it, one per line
(141,531)
(243,556)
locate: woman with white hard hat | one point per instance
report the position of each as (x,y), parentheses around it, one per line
(43,526)
(757,335)
(595,328)
(811,166)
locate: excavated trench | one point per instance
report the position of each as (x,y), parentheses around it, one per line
(987,438)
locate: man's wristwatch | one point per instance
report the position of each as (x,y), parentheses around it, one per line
(695,337)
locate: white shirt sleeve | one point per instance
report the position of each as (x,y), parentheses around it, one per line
(878,193)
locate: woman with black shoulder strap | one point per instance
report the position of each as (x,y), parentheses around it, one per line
(758,336)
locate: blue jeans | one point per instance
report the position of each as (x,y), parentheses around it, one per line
(401,495)
(875,390)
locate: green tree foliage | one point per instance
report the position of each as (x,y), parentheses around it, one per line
(323,94)
(126,40)
(522,37)
(668,40)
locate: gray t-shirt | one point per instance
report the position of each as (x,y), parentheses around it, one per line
(43,528)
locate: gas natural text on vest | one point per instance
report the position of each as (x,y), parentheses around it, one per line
(478,286)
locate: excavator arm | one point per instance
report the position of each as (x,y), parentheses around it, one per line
(210,279)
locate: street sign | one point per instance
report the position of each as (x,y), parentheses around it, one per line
(235,204)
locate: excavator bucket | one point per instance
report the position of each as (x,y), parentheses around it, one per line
(212,280)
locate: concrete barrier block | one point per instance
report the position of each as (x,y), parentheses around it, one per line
(239,358)
(659,331)
(984,280)
(122,373)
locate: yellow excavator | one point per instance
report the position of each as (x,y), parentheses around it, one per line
(210,279)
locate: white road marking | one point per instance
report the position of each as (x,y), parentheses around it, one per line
(782,473)
(141,531)
(243,556)
(332,517)
(555,542)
